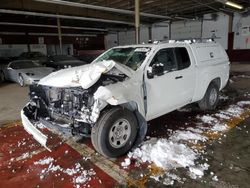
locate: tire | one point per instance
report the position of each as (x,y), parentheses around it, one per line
(211,98)
(21,81)
(115,132)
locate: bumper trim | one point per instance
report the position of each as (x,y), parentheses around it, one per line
(31,129)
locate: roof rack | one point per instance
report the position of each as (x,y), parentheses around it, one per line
(186,40)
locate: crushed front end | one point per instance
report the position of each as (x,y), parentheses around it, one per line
(73,109)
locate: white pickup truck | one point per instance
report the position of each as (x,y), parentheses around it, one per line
(112,98)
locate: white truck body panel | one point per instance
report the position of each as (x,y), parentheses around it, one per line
(165,93)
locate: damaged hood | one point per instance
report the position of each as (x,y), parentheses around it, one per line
(84,76)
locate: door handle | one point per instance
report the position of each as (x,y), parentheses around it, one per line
(178,77)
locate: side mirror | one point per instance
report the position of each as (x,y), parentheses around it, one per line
(156,69)
(9,68)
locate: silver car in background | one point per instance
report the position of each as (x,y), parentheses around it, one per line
(25,72)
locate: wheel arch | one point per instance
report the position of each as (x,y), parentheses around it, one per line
(142,123)
(216,81)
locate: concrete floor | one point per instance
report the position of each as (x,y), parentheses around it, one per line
(228,157)
(12,99)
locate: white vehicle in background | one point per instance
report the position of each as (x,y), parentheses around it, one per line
(112,98)
(25,72)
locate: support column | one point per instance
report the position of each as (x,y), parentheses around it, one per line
(137,21)
(150,33)
(169,31)
(59,35)
(28,41)
(118,39)
(202,21)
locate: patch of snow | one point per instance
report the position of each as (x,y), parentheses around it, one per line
(219,127)
(198,171)
(200,131)
(215,178)
(78,173)
(84,177)
(126,162)
(165,154)
(222,116)
(222,97)
(187,135)
(44,161)
(242,103)
(24,156)
(234,110)
(207,119)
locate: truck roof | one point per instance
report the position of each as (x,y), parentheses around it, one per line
(170,43)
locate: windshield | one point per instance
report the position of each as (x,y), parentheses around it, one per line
(24,65)
(131,56)
(32,54)
(64,58)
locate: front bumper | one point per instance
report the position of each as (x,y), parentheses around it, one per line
(31,80)
(33,130)
(43,130)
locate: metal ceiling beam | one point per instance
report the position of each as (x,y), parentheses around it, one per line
(101,8)
(28,13)
(51,26)
(192,7)
(205,5)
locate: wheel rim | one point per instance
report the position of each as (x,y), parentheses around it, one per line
(21,80)
(119,133)
(213,96)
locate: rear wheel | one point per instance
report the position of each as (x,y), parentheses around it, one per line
(211,98)
(21,81)
(115,132)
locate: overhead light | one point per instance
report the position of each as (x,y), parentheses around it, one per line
(235,5)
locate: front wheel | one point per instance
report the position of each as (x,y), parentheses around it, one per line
(21,81)
(211,98)
(115,132)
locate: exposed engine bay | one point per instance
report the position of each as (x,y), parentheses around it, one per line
(73,107)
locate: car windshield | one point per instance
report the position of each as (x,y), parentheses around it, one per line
(132,57)
(24,65)
(63,58)
(32,54)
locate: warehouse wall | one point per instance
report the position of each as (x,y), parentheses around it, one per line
(12,50)
(241,29)
(12,45)
(111,40)
(160,31)
(217,29)
(209,28)
(186,29)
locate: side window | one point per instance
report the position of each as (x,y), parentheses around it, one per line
(182,58)
(166,58)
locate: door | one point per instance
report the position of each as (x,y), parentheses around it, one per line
(171,89)
(11,73)
(186,74)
